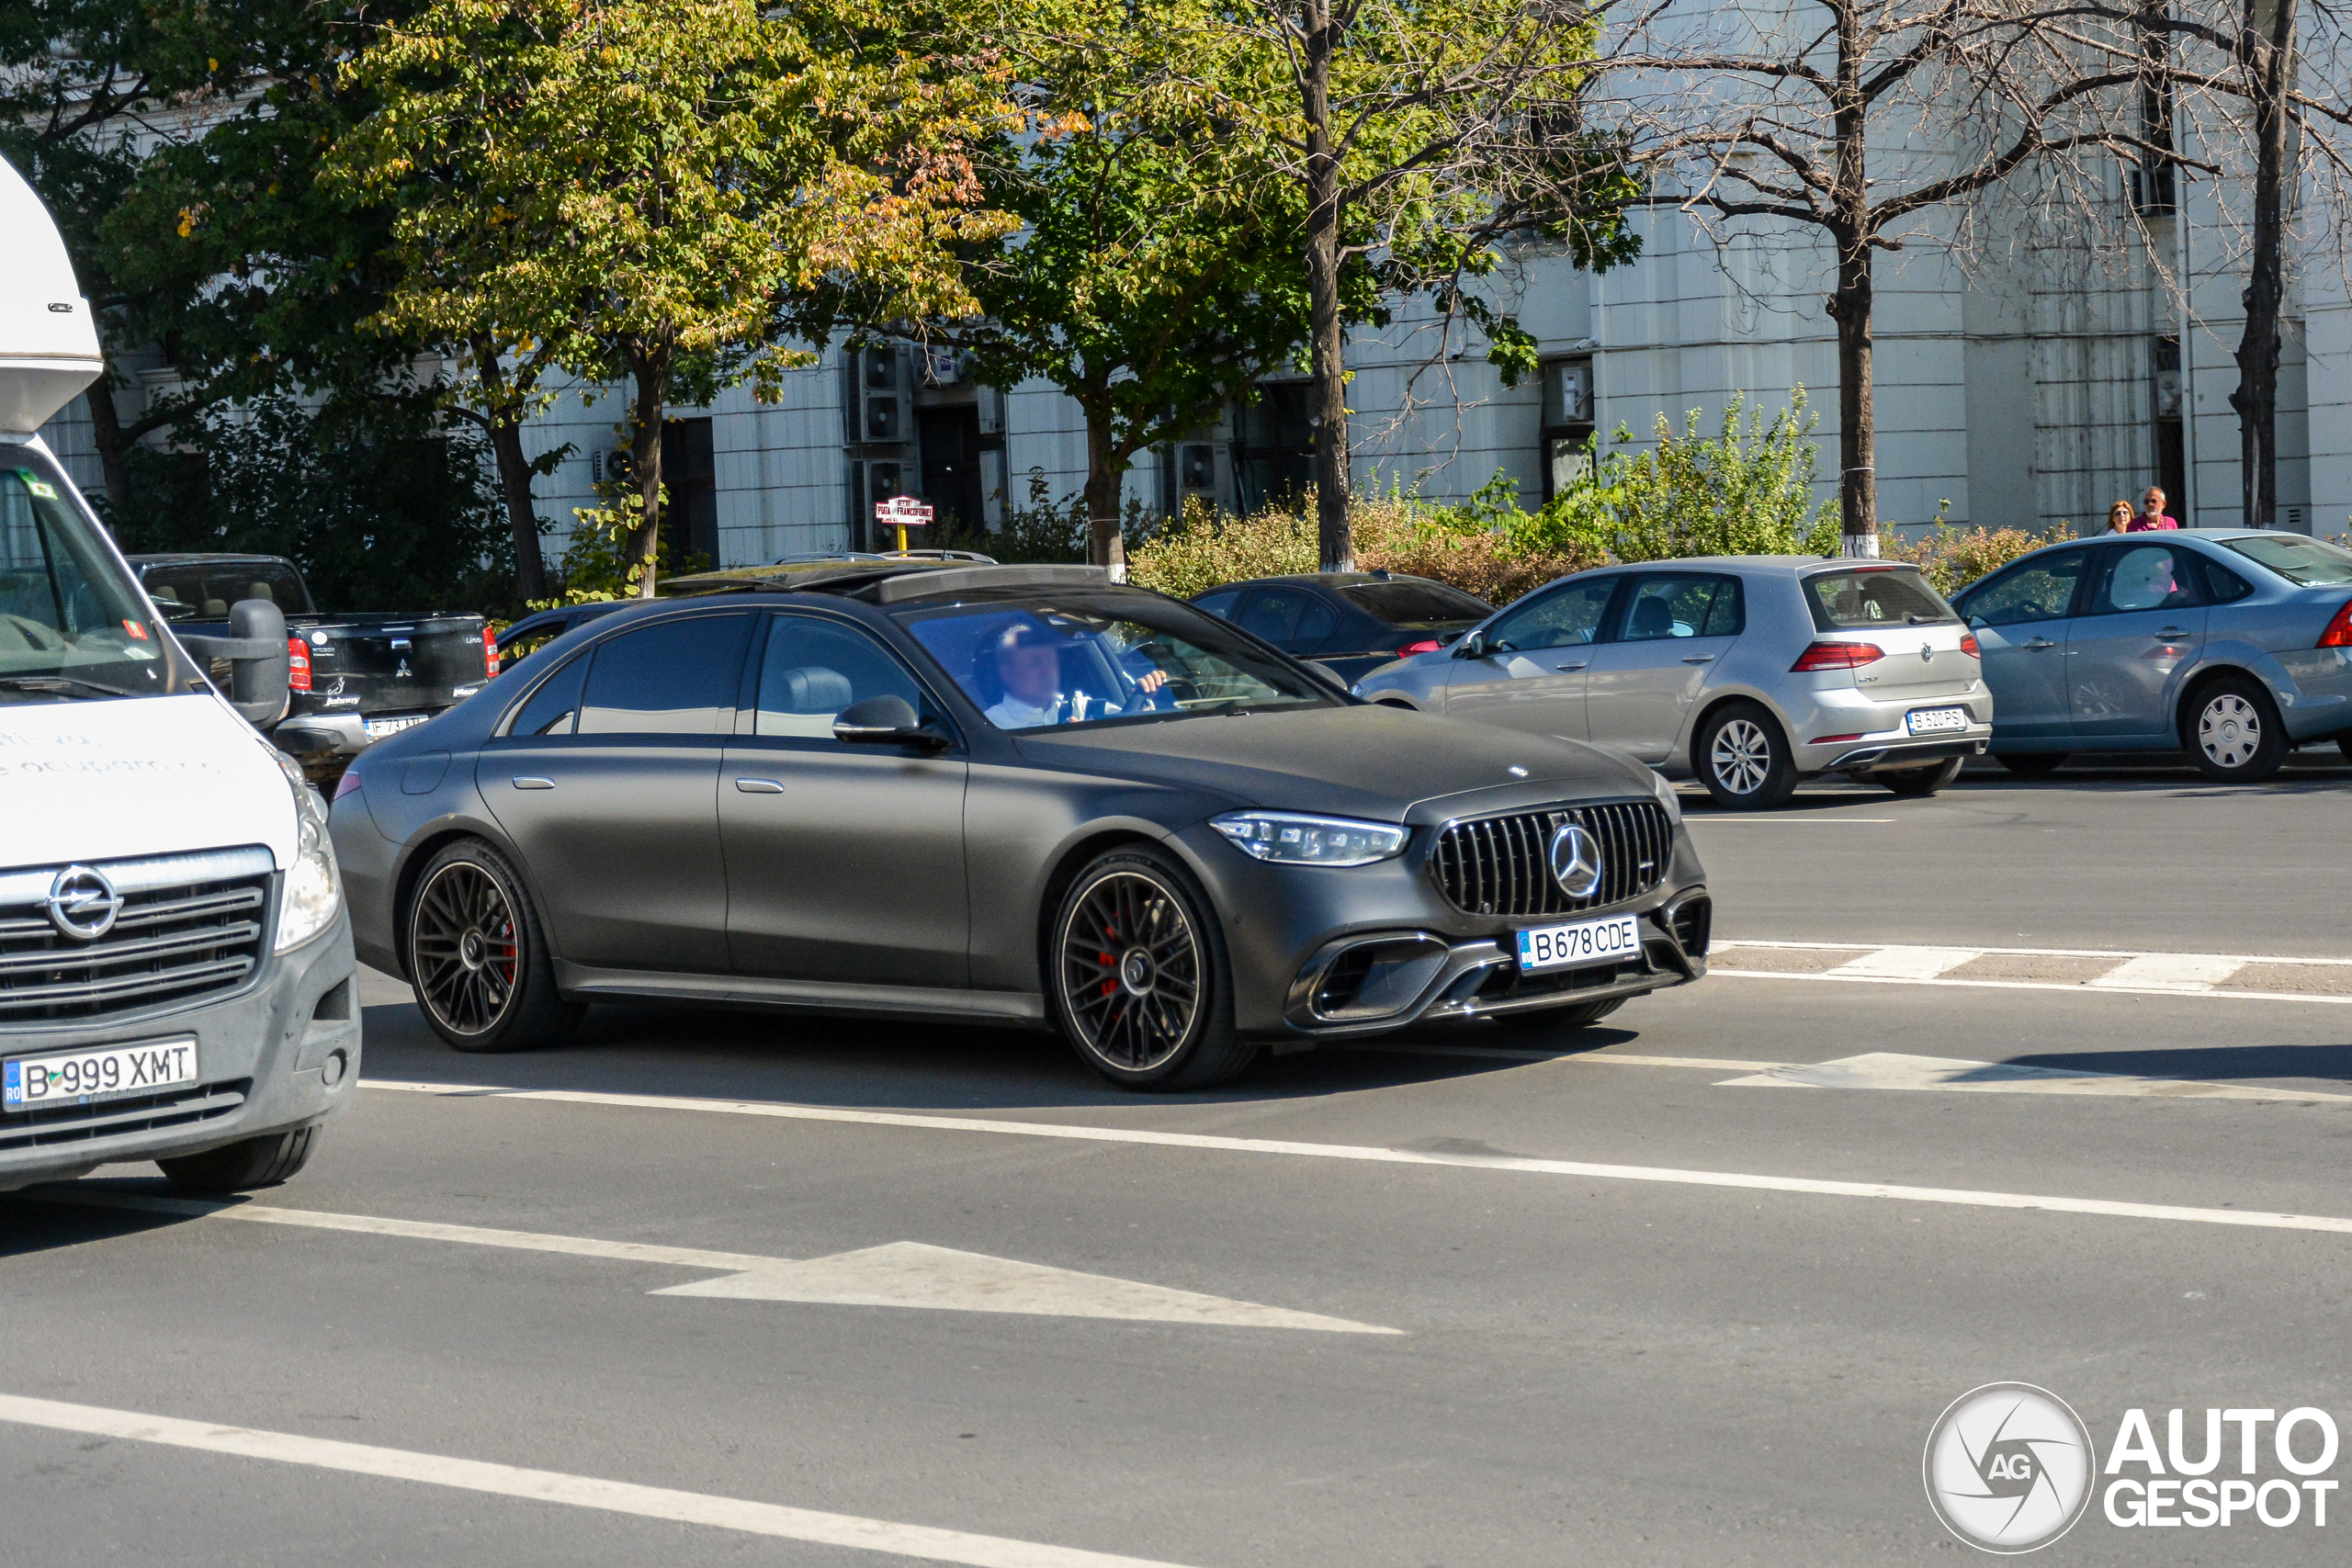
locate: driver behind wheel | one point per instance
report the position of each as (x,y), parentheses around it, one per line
(1028,659)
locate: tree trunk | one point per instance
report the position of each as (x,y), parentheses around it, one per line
(1107,544)
(1327,338)
(515,481)
(2270,76)
(649,366)
(105,434)
(1857,407)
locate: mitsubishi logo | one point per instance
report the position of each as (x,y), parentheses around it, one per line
(1576,861)
(81,903)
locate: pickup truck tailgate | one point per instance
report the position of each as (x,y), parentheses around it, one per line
(395,666)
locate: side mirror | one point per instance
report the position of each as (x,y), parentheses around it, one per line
(1472,645)
(258,665)
(886,721)
(1328,675)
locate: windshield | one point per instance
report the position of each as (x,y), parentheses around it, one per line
(2307,563)
(1873,596)
(203,590)
(70,624)
(1057,660)
(1410,603)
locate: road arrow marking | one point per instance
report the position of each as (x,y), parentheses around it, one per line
(902,1274)
(1893,1070)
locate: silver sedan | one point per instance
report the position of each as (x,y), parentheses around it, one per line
(1750,671)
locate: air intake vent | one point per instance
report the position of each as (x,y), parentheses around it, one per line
(1500,865)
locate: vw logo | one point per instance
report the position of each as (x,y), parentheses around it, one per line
(1927,653)
(1576,861)
(81,903)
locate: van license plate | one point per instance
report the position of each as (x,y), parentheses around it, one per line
(101,1072)
(1932,721)
(1581,944)
(380,728)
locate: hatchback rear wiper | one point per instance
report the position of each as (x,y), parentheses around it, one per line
(64,686)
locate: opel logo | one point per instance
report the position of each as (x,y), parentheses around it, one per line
(1576,861)
(81,903)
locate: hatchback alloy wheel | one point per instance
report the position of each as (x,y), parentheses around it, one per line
(464,950)
(1741,756)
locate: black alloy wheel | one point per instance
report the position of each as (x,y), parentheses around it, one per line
(477,956)
(1140,982)
(1918,783)
(2031,764)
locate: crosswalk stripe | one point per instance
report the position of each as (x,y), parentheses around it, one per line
(2170,972)
(1904,963)
(2266,978)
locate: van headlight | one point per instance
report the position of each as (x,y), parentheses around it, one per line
(1310,841)
(312,891)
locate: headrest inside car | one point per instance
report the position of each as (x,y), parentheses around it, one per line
(807,689)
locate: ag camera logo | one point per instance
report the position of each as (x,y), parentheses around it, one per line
(2009,1467)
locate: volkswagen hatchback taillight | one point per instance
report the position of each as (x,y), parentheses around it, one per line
(1837,656)
(1968,646)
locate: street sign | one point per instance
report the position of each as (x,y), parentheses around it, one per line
(902,513)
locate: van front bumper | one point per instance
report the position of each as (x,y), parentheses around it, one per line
(281,1052)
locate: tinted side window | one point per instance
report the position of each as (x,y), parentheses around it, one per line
(2142,577)
(1218,603)
(1292,620)
(1682,606)
(2223,586)
(2038,591)
(1565,618)
(671,678)
(813,669)
(555,705)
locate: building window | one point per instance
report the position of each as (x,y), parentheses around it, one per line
(690,474)
(1273,459)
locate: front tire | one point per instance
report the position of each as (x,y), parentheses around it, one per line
(241,1166)
(1137,975)
(2234,732)
(1918,783)
(1743,759)
(478,954)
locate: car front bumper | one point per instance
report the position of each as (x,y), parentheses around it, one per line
(280,1053)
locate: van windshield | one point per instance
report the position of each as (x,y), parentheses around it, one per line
(71,622)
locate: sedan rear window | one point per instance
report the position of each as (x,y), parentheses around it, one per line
(1414,603)
(2307,563)
(1873,596)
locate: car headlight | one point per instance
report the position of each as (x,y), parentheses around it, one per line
(313,890)
(1663,787)
(1310,841)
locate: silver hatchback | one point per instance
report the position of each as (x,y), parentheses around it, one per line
(1750,671)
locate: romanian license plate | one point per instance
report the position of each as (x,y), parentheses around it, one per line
(1934,721)
(380,728)
(1580,944)
(100,1072)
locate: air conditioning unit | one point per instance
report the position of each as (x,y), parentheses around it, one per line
(1191,469)
(878,396)
(942,366)
(872,480)
(1573,387)
(2168,394)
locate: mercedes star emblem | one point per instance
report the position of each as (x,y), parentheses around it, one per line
(1576,861)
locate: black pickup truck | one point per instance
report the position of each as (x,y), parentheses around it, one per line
(354,678)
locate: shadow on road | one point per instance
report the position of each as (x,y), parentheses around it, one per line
(29,1225)
(2200,1063)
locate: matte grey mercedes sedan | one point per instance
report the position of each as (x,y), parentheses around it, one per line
(1008,795)
(1750,671)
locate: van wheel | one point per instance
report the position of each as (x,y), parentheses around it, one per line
(241,1166)
(2234,731)
(2031,764)
(1743,759)
(1139,977)
(1919,783)
(478,954)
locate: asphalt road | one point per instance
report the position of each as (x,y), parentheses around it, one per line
(1497,1296)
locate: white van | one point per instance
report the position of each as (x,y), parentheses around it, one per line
(177,978)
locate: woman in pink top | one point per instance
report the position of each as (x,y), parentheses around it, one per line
(2152,514)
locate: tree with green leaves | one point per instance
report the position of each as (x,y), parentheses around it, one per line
(634,185)
(1420,137)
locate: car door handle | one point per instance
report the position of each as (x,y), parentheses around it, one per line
(526,782)
(758,786)
(1699,659)
(1577,665)
(2171,632)
(2038,643)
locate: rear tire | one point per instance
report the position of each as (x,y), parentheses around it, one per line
(1918,783)
(2031,764)
(1138,977)
(241,1166)
(478,955)
(2344,744)
(1743,759)
(2233,730)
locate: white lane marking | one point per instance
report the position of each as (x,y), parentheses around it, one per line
(1370,1154)
(2118,954)
(1509,1053)
(1904,963)
(2169,972)
(1792,821)
(1893,1070)
(2078,988)
(900,1274)
(741,1515)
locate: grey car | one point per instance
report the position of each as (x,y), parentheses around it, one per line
(2235,644)
(1750,671)
(1011,794)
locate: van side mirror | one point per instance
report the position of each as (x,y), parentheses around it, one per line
(887,721)
(1472,645)
(258,665)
